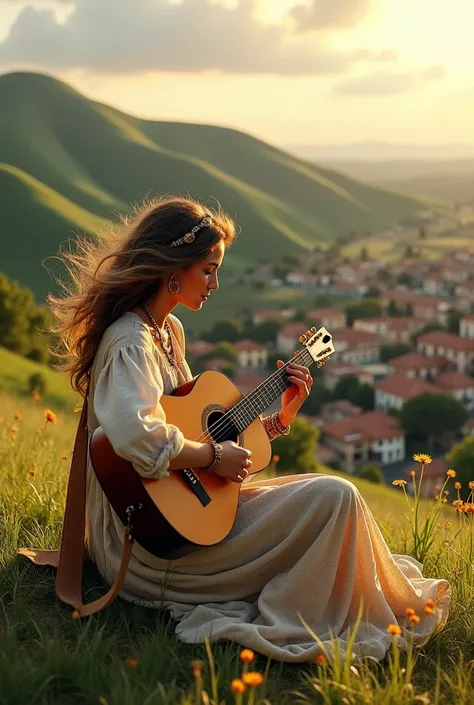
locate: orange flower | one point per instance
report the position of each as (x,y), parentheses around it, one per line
(197,668)
(19,415)
(429,603)
(237,686)
(471,485)
(457,485)
(399,483)
(132,662)
(13,429)
(451,473)
(422,458)
(50,416)
(31,473)
(36,395)
(252,678)
(410,611)
(414,619)
(321,660)
(276,458)
(63,457)
(75,615)
(394,629)
(247,655)
(429,610)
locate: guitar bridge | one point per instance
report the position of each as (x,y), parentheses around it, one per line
(196,486)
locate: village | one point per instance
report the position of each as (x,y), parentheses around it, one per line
(401,330)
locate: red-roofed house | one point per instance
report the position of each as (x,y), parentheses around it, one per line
(356,346)
(251,353)
(331,318)
(369,437)
(394,391)
(272,314)
(199,348)
(430,308)
(419,366)
(334,371)
(459,350)
(391,330)
(457,385)
(287,337)
(340,409)
(466,327)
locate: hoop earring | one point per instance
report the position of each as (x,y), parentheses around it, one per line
(173,284)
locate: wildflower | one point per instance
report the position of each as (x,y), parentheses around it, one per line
(410,611)
(247,655)
(63,457)
(429,603)
(451,473)
(276,458)
(14,429)
(237,686)
(457,485)
(252,678)
(422,458)
(132,662)
(31,473)
(197,668)
(428,610)
(457,503)
(18,415)
(471,485)
(394,629)
(50,416)
(321,660)
(412,473)
(36,395)
(399,483)
(75,615)
(414,619)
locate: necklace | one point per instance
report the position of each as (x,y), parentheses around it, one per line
(156,334)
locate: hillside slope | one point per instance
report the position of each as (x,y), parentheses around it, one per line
(93,161)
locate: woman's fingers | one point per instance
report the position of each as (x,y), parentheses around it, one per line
(297,381)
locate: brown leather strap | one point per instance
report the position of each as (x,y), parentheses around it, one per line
(70,561)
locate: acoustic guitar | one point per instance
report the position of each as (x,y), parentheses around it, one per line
(191,507)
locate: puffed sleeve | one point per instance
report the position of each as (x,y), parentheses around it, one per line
(127,405)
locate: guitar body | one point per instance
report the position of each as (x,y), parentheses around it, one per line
(187,508)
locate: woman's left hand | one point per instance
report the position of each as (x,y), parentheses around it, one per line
(295,395)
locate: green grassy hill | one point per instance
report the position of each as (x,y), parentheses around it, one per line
(68,163)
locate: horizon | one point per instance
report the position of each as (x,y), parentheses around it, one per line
(334,65)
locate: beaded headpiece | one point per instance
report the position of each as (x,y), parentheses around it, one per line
(189,237)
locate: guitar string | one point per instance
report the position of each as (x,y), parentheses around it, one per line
(247,403)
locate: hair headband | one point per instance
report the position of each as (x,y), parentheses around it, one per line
(189,237)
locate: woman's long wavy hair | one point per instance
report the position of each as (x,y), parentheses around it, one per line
(124,268)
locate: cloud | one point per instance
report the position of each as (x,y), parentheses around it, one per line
(130,36)
(325,14)
(390,83)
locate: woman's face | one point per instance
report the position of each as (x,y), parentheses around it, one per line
(197,282)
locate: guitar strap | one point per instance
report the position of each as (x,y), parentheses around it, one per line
(69,560)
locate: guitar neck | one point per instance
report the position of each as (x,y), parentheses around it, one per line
(255,402)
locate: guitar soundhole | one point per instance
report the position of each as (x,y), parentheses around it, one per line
(221,429)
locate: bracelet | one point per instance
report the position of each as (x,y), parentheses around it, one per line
(274,427)
(217,457)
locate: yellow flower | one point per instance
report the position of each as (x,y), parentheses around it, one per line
(132,662)
(237,686)
(50,416)
(321,660)
(457,485)
(410,611)
(399,483)
(414,619)
(252,678)
(451,473)
(394,629)
(471,485)
(247,655)
(423,458)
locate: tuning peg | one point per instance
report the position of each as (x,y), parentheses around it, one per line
(302,339)
(313,330)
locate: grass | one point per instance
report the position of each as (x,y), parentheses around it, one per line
(71,164)
(129,656)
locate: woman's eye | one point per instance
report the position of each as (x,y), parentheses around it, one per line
(208,272)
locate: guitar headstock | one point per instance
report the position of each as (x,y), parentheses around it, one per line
(319,345)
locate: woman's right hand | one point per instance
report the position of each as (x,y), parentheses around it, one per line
(235,463)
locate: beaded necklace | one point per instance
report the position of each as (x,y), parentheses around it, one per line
(156,334)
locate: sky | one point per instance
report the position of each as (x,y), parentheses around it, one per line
(288,71)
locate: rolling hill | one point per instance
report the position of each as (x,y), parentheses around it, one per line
(69,164)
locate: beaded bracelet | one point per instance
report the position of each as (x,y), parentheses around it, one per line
(274,427)
(217,457)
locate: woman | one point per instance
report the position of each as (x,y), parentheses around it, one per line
(303,545)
